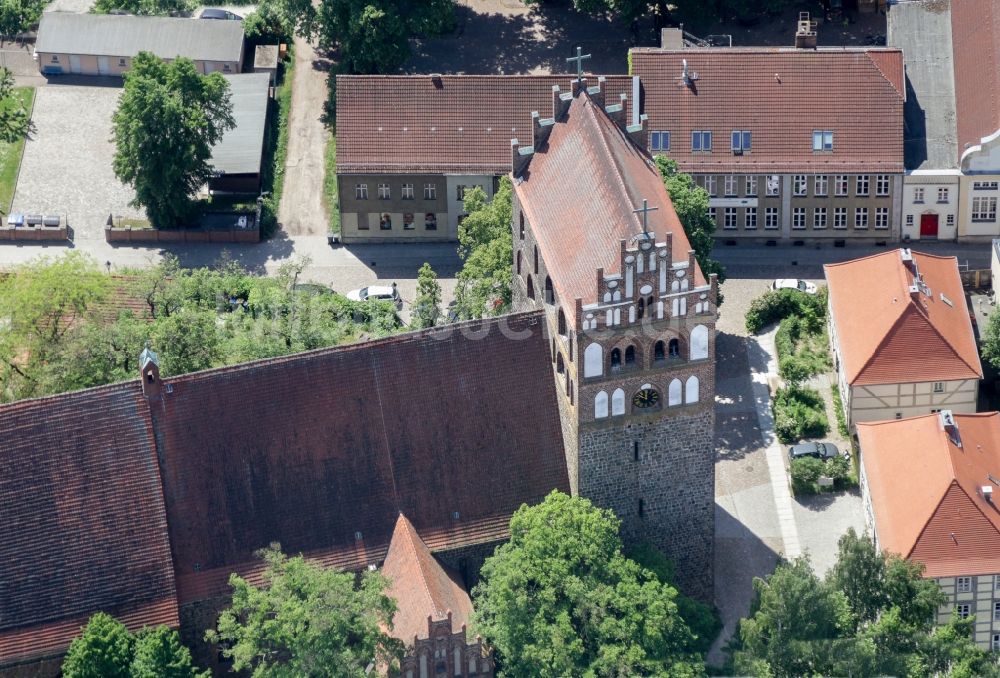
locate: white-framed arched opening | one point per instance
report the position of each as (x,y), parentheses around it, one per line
(691,390)
(617,402)
(699,343)
(601,405)
(674,393)
(593,361)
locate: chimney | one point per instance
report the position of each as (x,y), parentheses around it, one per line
(149,372)
(805,34)
(597,92)
(672,38)
(987,491)
(560,102)
(436,80)
(950,427)
(519,157)
(540,130)
(639,134)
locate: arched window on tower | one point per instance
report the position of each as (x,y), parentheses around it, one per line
(618,402)
(536,259)
(616,359)
(691,390)
(519,262)
(659,350)
(674,348)
(531,288)
(601,405)
(549,295)
(674,393)
(630,355)
(641,309)
(699,343)
(561,322)
(560,367)
(593,361)
(522,225)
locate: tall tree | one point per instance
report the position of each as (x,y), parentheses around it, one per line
(103,650)
(486,247)
(560,599)
(691,204)
(427,305)
(145,7)
(167,121)
(14,117)
(307,620)
(990,344)
(159,654)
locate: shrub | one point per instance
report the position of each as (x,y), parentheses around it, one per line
(838,408)
(838,468)
(805,474)
(774,305)
(799,413)
(801,344)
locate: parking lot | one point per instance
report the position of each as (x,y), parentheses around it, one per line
(67,165)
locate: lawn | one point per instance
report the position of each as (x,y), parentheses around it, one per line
(330,196)
(10,154)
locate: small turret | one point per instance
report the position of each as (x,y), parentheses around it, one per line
(149,370)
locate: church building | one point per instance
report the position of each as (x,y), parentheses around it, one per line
(598,246)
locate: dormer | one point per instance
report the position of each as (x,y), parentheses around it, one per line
(149,371)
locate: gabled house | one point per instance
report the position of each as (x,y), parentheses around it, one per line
(901,336)
(930,486)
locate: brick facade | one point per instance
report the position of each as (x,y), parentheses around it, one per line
(446,652)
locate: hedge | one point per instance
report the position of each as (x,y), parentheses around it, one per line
(799,413)
(774,305)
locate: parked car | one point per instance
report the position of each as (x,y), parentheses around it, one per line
(214,13)
(793,284)
(817,450)
(376,292)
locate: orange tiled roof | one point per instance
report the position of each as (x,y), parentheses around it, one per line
(883,327)
(421,586)
(926,491)
(780,95)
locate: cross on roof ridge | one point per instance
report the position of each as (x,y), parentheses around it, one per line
(645,209)
(579,62)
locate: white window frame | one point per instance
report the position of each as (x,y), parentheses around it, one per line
(963,584)
(938,387)
(729,218)
(882,185)
(840,185)
(964,610)
(861,218)
(710,184)
(840,217)
(771,218)
(360,191)
(798,218)
(430,192)
(702,136)
(406,192)
(862,184)
(995,642)
(950,220)
(741,141)
(750,218)
(881,218)
(943,194)
(984,208)
(656,140)
(384,192)
(751,185)
(819,218)
(822,140)
(729,186)
(820,185)
(918,194)
(772,185)
(800,185)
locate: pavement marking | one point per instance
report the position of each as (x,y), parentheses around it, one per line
(760,375)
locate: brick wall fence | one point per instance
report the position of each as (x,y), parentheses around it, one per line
(34,233)
(153,235)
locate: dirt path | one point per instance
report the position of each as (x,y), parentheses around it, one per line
(301,211)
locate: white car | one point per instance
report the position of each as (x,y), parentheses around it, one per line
(793,284)
(376,292)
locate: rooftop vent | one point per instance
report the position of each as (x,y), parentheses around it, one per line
(805,33)
(687,76)
(987,491)
(905,254)
(436,79)
(947,300)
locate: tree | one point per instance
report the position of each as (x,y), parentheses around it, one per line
(990,345)
(691,204)
(486,247)
(281,20)
(14,117)
(145,7)
(427,305)
(19,16)
(307,620)
(104,650)
(159,654)
(187,341)
(167,121)
(560,599)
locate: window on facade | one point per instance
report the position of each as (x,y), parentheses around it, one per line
(550,297)
(984,186)
(820,183)
(942,194)
(799,185)
(601,405)
(701,141)
(460,192)
(819,217)
(659,141)
(630,355)
(840,185)
(430,221)
(740,141)
(430,192)
(909,219)
(383,192)
(861,217)
(840,217)
(939,387)
(984,209)
(712,215)
(861,185)
(519,262)
(995,643)
(996,611)
(798,217)
(408,221)
(659,351)
(771,217)
(822,140)
(521,227)
(710,184)
(918,194)
(751,185)
(882,184)
(730,218)
(531,288)
(361,191)
(616,358)
(881,217)
(121,62)
(729,184)
(55,59)
(963,584)
(773,186)
(950,220)
(750,219)
(674,348)
(406,192)
(385,223)
(963,610)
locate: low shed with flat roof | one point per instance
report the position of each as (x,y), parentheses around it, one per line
(238,156)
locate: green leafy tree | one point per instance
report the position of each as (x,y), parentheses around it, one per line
(281,20)
(18,16)
(307,620)
(427,305)
(187,341)
(990,344)
(103,650)
(14,117)
(167,121)
(690,201)
(486,247)
(145,7)
(560,599)
(159,654)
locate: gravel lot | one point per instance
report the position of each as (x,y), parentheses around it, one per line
(67,160)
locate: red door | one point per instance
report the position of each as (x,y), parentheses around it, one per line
(928,225)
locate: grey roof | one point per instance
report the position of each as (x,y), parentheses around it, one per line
(126,36)
(240,149)
(923,31)
(265,56)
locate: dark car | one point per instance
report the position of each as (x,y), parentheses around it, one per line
(817,450)
(212,13)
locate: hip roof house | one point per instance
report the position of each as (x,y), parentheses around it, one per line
(104,44)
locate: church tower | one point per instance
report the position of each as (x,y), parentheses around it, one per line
(597,244)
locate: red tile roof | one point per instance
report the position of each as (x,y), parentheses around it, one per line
(460,123)
(975,32)
(926,491)
(82,516)
(421,586)
(321,451)
(882,326)
(781,96)
(611,177)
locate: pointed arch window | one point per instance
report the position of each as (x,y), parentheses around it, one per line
(601,405)
(630,355)
(674,393)
(699,343)
(593,361)
(659,351)
(617,402)
(691,390)
(616,359)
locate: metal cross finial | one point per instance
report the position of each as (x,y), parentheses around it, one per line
(579,62)
(645,209)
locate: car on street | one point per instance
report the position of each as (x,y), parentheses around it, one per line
(816,450)
(215,13)
(377,293)
(794,284)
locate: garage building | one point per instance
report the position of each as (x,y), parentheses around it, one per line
(237,156)
(104,44)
